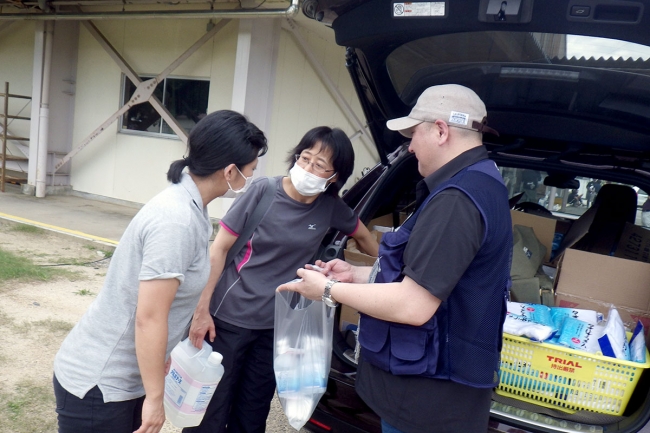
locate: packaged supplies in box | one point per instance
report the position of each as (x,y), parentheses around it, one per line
(566,379)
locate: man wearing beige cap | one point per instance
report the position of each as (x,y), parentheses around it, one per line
(430,334)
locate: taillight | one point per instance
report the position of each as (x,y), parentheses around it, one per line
(320,424)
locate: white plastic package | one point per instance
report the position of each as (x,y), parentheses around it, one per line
(302,354)
(520,325)
(614,341)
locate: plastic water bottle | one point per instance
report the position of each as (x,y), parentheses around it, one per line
(287,373)
(192,379)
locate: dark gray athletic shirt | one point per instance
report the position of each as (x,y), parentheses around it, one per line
(285,240)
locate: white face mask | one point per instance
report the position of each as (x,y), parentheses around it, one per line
(232,193)
(306,183)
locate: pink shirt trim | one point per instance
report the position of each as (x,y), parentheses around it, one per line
(228,229)
(355,229)
(247,255)
(249,246)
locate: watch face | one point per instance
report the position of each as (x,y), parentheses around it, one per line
(327,298)
(330,302)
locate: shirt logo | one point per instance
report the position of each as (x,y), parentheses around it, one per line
(311,227)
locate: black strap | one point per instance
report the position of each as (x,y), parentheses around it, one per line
(254,220)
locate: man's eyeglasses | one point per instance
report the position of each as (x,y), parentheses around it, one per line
(303,162)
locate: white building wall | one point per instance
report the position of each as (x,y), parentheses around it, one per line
(97,97)
(132,167)
(303,102)
(62,96)
(16,63)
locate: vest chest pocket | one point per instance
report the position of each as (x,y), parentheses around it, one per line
(391,252)
(373,333)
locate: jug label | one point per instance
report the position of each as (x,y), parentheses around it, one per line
(176,387)
(187,395)
(203,398)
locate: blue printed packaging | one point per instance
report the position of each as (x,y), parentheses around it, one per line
(577,334)
(637,344)
(536,313)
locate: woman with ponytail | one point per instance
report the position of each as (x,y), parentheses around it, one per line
(109,372)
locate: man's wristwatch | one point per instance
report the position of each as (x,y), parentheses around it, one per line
(327,297)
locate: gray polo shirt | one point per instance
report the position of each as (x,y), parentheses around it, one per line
(168,238)
(285,240)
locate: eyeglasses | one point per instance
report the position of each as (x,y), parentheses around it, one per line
(303,162)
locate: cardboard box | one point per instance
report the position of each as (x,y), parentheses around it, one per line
(355,257)
(377,226)
(596,282)
(385,221)
(634,244)
(543,227)
(349,318)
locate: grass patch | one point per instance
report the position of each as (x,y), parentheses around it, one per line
(74,275)
(47,327)
(54,326)
(29,409)
(24,228)
(84,292)
(14,267)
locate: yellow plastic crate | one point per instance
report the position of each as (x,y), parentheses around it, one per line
(566,379)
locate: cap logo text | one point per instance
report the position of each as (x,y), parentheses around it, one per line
(459,118)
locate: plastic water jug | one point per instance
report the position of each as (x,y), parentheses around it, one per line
(192,379)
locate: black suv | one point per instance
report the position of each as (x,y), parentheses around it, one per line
(567,85)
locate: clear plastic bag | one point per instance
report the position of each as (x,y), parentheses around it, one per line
(302,354)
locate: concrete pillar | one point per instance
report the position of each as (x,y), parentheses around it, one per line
(258,44)
(255,67)
(37,82)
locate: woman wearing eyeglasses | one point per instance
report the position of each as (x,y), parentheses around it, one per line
(236,316)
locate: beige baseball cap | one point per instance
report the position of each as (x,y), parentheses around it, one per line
(457,105)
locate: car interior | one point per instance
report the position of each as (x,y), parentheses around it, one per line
(594,227)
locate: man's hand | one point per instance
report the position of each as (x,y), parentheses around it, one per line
(311,287)
(337,269)
(202,324)
(153,416)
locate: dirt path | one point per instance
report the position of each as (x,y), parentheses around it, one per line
(36,316)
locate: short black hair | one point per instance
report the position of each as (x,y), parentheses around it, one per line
(339,146)
(221,138)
